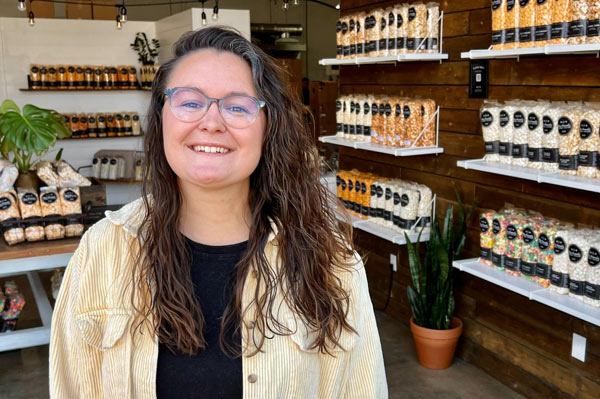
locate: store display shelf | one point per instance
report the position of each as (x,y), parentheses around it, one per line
(119,181)
(101,138)
(383,232)
(368,146)
(550,49)
(540,176)
(391,59)
(529,289)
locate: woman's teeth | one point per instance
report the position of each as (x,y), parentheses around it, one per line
(202,148)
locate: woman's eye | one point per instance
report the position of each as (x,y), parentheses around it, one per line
(237,109)
(191,105)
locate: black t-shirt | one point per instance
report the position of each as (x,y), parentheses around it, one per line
(210,373)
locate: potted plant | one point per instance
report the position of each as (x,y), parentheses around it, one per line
(148,55)
(435,329)
(26,133)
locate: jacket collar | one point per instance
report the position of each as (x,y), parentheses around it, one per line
(131,216)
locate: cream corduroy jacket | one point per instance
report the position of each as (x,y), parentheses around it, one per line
(96,351)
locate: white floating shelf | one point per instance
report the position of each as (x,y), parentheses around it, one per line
(383,232)
(368,146)
(531,290)
(489,273)
(550,49)
(539,176)
(391,59)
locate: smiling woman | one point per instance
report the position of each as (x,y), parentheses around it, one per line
(230,277)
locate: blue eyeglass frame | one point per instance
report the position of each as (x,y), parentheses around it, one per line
(169,92)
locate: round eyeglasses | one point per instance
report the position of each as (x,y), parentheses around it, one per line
(188,104)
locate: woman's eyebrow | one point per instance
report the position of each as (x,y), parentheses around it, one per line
(231,93)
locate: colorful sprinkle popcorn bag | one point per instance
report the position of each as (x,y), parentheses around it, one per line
(486,237)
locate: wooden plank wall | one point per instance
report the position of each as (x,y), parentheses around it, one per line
(522,343)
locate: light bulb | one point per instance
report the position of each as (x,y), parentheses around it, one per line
(21,5)
(337,6)
(286,4)
(123,13)
(119,23)
(296,2)
(215,15)
(203,18)
(31,19)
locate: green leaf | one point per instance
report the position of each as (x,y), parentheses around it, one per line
(9,106)
(414,263)
(59,155)
(416,307)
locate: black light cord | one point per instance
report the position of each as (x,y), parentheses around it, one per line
(146,4)
(387,301)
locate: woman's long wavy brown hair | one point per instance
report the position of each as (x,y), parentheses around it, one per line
(285,188)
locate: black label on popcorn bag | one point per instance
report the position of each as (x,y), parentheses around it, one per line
(559,245)
(374,109)
(510,4)
(564,125)
(511,232)
(70,196)
(492,147)
(577,28)
(49,198)
(593,28)
(519,150)
(5,203)
(559,30)
(518,119)
(396,198)
(526,34)
(574,253)
(523,3)
(404,200)
(484,225)
(568,162)
(585,129)
(542,32)
(528,235)
(576,287)
(496,226)
(504,148)
(559,279)
(350,185)
(533,121)
(496,4)
(379,191)
(486,118)
(543,242)
(547,124)
(497,36)
(534,154)
(593,257)
(587,158)
(504,118)
(592,291)
(510,35)
(406,112)
(412,13)
(550,155)
(29,198)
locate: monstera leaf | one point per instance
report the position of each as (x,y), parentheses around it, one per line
(32,131)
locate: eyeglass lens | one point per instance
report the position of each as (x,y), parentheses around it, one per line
(190,105)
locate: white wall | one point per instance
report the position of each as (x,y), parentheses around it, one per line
(88,42)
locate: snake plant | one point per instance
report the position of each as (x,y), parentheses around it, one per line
(431,295)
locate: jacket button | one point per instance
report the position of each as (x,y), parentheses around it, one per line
(254,274)
(252,378)
(251,324)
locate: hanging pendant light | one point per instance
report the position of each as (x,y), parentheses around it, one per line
(123,12)
(286,4)
(119,23)
(21,5)
(215,15)
(31,18)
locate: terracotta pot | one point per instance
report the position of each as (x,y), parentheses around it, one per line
(435,348)
(27,180)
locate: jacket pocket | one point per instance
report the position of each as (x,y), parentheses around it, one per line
(107,331)
(305,336)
